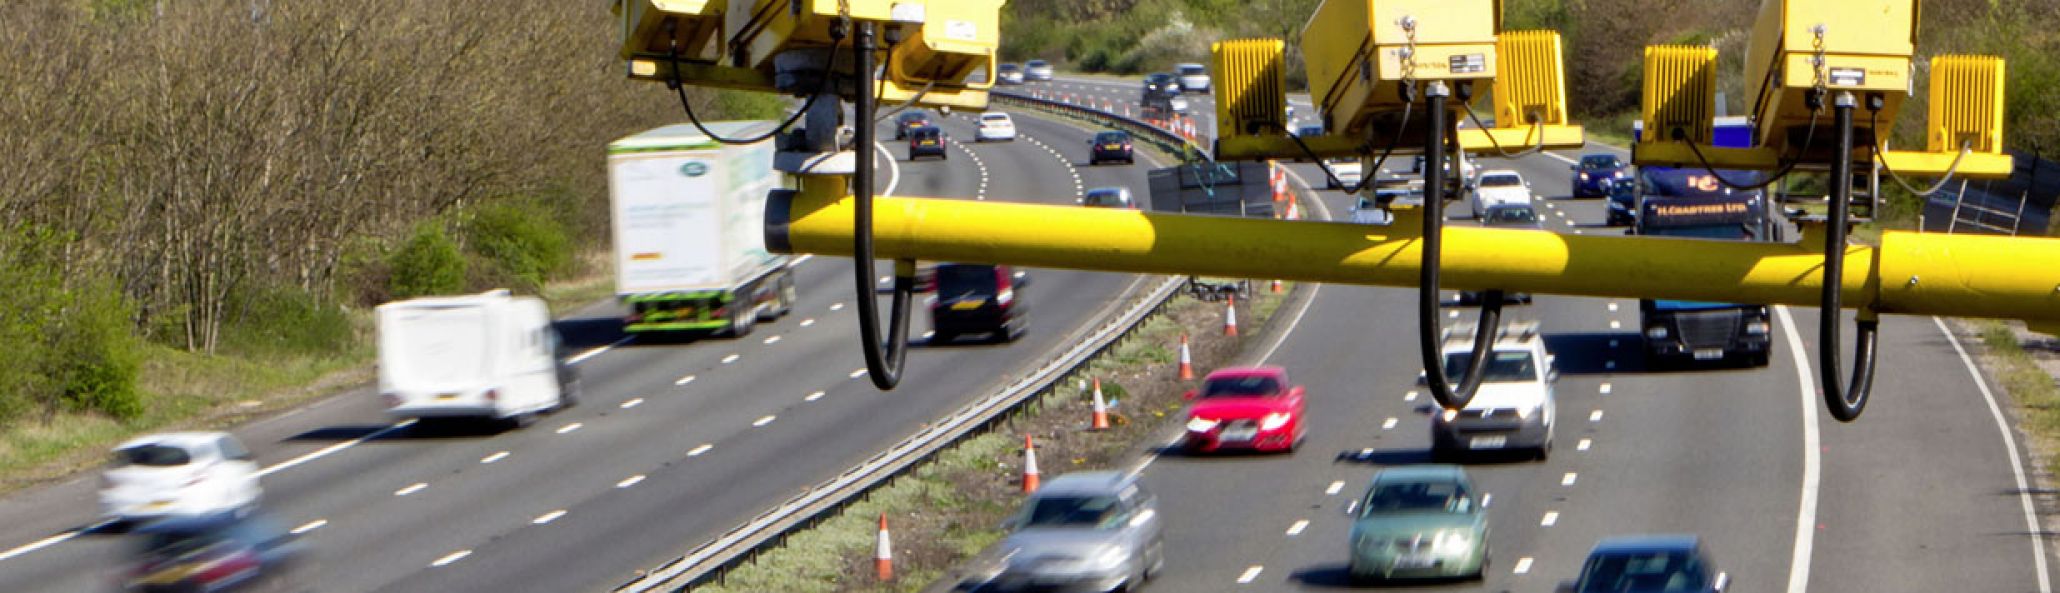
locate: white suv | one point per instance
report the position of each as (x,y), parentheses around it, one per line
(1501,186)
(1514,407)
(995,126)
(179,474)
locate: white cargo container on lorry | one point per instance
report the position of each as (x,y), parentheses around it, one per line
(689,222)
(490,355)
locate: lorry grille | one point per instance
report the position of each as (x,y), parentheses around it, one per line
(1708,329)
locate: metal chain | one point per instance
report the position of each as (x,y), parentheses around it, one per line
(1408,55)
(1817,61)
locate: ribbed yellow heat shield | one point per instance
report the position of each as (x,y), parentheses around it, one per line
(1680,92)
(1530,83)
(1966,104)
(1251,87)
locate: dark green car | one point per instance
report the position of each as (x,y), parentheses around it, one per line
(1422,521)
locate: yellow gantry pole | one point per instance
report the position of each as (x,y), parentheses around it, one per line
(1910,273)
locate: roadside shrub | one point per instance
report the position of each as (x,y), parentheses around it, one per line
(524,239)
(429,263)
(284,320)
(97,354)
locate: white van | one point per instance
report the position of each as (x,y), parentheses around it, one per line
(489,355)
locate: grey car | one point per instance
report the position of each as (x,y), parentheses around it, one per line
(1088,531)
(1037,70)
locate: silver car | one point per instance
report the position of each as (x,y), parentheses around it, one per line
(1088,531)
(1037,70)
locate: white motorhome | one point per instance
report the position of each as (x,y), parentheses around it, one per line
(489,355)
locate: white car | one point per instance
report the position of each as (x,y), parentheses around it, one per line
(1178,103)
(1501,186)
(179,474)
(1368,211)
(995,126)
(1344,173)
(1194,78)
(1514,407)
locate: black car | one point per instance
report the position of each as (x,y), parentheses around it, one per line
(213,553)
(1161,84)
(909,120)
(1623,203)
(1594,173)
(926,141)
(1110,145)
(978,299)
(1648,564)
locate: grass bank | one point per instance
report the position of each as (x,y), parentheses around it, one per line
(2012,356)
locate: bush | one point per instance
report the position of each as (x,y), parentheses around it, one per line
(524,239)
(284,320)
(429,263)
(97,354)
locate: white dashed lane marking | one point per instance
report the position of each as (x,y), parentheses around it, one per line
(547,517)
(411,489)
(763,421)
(1523,565)
(310,526)
(1250,574)
(1388,424)
(808,322)
(1568,479)
(1595,416)
(1296,529)
(570,427)
(630,481)
(836,306)
(1409,397)
(731,358)
(449,558)
(1605,389)
(813,396)
(1551,518)
(1614,324)
(858,373)
(1584,444)
(772,340)
(699,450)
(684,380)
(1334,488)
(632,403)
(494,457)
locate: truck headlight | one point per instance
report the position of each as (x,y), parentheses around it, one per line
(1201,424)
(1756,328)
(1658,332)
(1274,421)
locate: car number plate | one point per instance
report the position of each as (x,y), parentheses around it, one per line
(1709,353)
(159,504)
(446,396)
(1240,434)
(1112,146)
(929,143)
(1488,442)
(1412,562)
(966,305)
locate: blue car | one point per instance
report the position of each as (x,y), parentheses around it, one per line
(1594,172)
(1648,564)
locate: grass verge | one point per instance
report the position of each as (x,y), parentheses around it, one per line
(950,508)
(195,391)
(2017,372)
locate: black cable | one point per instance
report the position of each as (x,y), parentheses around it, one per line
(1536,126)
(883,362)
(1778,175)
(680,87)
(1843,405)
(1878,157)
(1332,177)
(1429,326)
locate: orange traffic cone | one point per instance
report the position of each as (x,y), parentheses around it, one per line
(1101,407)
(1276,286)
(883,554)
(1230,317)
(1029,465)
(1187,365)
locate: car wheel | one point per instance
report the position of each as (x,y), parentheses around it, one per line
(741,322)
(1155,559)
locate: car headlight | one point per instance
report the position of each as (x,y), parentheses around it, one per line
(1757,328)
(1452,540)
(1274,420)
(1584,176)
(1451,414)
(1656,332)
(1621,175)
(1201,424)
(1111,557)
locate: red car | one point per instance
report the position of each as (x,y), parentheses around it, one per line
(1253,408)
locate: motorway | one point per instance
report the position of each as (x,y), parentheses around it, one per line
(671,445)
(1926,492)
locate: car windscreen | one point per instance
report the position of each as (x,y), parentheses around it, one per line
(1104,198)
(1504,366)
(911,117)
(1512,216)
(1733,232)
(1246,386)
(925,133)
(1193,70)
(152,456)
(1010,67)
(955,281)
(994,118)
(1501,181)
(1038,63)
(1642,572)
(1599,162)
(1109,137)
(1073,511)
(1403,497)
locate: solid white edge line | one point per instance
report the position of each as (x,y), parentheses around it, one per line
(1806,507)
(583,356)
(54,540)
(2031,520)
(325,451)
